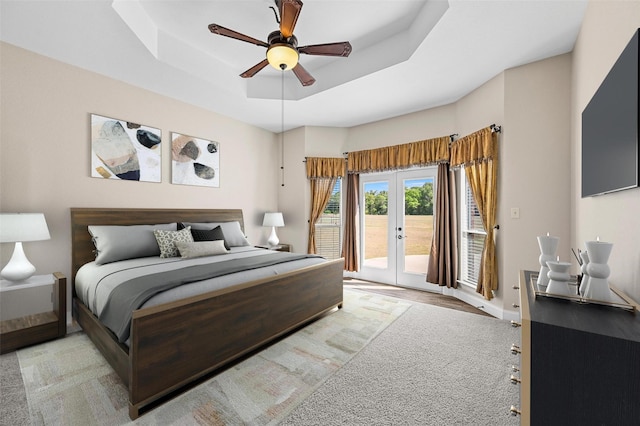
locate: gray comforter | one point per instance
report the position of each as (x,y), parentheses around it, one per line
(133,293)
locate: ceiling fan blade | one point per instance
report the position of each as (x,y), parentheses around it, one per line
(217,29)
(289,12)
(254,69)
(342,48)
(303,75)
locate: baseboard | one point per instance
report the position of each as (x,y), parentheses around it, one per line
(479,302)
(472,299)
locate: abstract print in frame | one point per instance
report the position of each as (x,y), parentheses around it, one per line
(125,150)
(195,161)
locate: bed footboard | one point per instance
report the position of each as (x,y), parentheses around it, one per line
(175,343)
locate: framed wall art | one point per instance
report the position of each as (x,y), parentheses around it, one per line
(195,161)
(125,150)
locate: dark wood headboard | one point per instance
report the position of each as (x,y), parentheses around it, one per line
(82,248)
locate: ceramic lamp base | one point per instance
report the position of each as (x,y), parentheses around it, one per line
(273,238)
(19,268)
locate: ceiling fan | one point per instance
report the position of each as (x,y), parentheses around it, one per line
(282,46)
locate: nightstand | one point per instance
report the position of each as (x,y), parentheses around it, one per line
(279,247)
(32,311)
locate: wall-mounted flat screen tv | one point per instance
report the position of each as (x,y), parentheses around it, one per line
(610,151)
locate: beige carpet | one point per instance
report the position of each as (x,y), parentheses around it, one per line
(68,382)
(432,366)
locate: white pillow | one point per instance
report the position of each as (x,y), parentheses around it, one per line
(167,240)
(201,248)
(121,242)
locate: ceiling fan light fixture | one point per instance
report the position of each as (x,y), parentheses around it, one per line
(282,56)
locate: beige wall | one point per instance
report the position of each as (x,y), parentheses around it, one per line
(45,152)
(535,166)
(481,108)
(421,125)
(293,197)
(606,30)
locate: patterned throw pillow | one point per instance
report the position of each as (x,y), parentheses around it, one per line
(166,240)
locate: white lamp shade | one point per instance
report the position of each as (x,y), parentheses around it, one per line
(17,228)
(21,227)
(273,219)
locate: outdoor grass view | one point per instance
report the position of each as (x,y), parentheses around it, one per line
(418,223)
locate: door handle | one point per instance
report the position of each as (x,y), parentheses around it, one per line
(400,237)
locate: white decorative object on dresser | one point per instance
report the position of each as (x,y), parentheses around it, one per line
(558,277)
(598,270)
(548,247)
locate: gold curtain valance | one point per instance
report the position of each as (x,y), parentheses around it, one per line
(475,148)
(325,168)
(422,153)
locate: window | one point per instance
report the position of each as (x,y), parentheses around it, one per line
(472,236)
(329,226)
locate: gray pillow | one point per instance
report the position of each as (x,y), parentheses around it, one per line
(233,235)
(116,242)
(201,248)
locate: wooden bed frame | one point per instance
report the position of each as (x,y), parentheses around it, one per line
(176,343)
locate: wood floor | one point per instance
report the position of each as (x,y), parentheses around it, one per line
(413,295)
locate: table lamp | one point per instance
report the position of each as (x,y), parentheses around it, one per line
(18,228)
(273,220)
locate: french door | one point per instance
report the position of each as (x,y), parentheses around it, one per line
(396,227)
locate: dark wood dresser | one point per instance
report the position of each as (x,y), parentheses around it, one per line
(579,363)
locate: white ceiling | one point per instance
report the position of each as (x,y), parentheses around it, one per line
(408,55)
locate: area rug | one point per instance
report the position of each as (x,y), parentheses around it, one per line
(433,366)
(68,382)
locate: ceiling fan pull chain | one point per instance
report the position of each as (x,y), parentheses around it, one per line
(282,127)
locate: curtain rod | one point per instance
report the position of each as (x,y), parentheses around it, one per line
(496,129)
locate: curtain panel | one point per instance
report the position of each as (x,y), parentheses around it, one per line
(321,189)
(350,239)
(443,261)
(415,154)
(478,154)
(323,173)
(325,168)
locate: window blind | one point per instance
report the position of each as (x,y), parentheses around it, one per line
(329,226)
(473,236)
